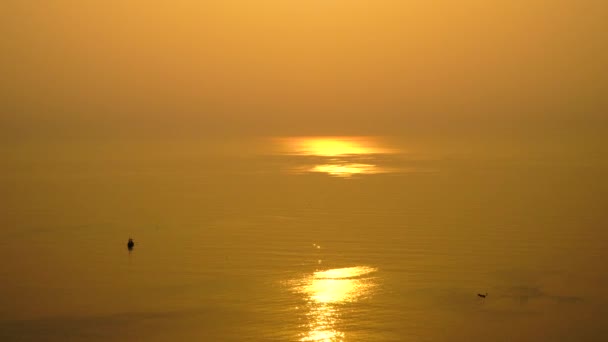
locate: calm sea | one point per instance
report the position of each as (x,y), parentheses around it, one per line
(303,239)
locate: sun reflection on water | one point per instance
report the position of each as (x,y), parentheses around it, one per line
(326,292)
(346,170)
(334,146)
(338,156)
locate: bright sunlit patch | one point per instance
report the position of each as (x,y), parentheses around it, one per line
(326,291)
(346,170)
(338,285)
(333,146)
(341,273)
(337,156)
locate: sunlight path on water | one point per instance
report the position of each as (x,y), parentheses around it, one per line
(327,292)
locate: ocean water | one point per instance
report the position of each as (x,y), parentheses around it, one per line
(303,239)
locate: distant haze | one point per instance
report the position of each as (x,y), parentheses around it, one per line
(81,69)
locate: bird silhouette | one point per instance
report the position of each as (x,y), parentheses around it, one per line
(482,295)
(130,244)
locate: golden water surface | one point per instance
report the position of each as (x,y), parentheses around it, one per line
(303,239)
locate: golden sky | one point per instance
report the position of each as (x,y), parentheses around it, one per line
(298,67)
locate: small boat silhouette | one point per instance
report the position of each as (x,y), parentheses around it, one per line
(130,244)
(482,295)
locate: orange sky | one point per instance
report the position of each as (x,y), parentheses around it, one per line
(87,68)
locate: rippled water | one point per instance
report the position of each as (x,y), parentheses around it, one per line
(303,239)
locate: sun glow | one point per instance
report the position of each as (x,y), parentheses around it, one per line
(333,146)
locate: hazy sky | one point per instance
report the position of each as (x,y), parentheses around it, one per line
(105,68)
